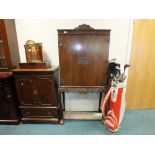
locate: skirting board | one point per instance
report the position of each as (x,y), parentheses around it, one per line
(80,115)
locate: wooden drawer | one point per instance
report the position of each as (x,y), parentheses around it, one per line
(39,112)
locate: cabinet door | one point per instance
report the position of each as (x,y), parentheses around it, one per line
(3,105)
(26,91)
(70,56)
(46,92)
(96,53)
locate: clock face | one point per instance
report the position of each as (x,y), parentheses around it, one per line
(34,53)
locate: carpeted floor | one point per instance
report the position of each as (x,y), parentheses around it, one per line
(135,122)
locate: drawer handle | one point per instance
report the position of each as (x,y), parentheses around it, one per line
(21,102)
(27,112)
(49,113)
(35,92)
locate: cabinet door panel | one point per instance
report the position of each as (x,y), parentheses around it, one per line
(3,105)
(96,53)
(25,90)
(70,56)
(46,93)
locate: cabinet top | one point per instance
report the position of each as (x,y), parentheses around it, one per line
(5,74)
(50,69)
(84,29)
(98,32)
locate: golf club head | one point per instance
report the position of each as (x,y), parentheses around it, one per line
(126,66)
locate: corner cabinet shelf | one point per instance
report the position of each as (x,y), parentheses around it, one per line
(38,97)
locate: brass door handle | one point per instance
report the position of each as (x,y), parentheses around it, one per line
(80,61)
(35,92)
(83,61)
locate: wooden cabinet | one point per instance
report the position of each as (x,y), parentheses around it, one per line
(37,90)
(9,58)
(83,60)
(83,55)
(8,100)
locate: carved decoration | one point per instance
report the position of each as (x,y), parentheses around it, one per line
(83,90)
(60,41)
(84,27)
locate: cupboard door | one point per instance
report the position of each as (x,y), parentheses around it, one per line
(96,53)
(26,91)
(70,56)
(46,93)
(3,105)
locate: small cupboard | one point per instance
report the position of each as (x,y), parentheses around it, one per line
(37,90)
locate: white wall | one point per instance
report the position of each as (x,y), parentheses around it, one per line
(45,31)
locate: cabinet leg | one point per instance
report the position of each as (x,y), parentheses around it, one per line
(63,100)
(100,99)
(61,122)
(61,117)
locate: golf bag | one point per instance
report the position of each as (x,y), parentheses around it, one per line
(115,98)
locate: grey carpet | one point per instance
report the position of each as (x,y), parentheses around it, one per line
(135,122)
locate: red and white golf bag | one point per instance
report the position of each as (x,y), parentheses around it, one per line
(113,118)
(115,98)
